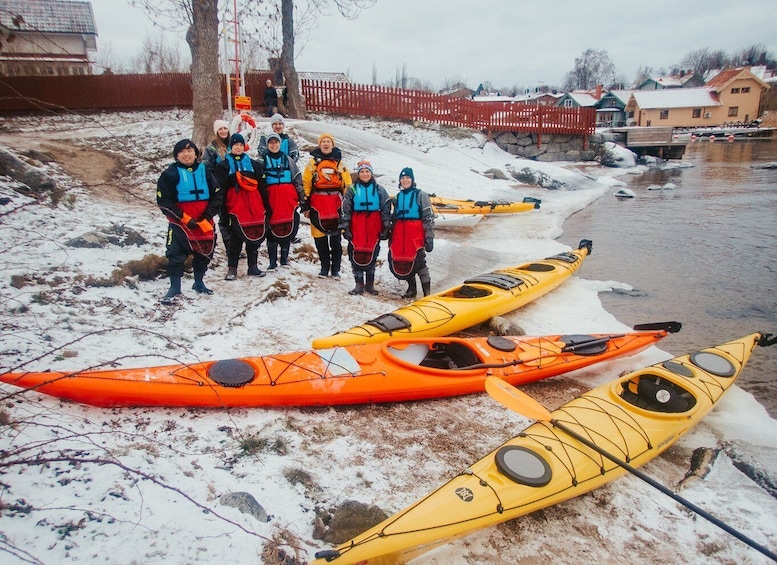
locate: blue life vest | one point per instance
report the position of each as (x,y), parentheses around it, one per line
(365,198)
(192,184)
(243,164)
(408,207)
(276,169)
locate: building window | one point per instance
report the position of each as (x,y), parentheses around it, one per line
(664,115)
(745,89)
(697,112)
(734,91)
(733,111)
(568,103)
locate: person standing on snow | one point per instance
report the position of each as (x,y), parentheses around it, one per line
(324,180)
(284,187)
(215,153)
(412,235)
(288,145)
(366,220)
(245,197)
(189,196)
(270,98)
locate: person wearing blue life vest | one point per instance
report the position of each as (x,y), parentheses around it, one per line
(288,145)
(189,196)
(246,205)
(412,235)
(366,220)
(285,194)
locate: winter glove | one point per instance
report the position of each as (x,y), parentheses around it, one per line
(205,225)
(190,222)
(385,233)
(346,233)
(429,245)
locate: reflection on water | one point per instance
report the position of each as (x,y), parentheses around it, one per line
(704,253)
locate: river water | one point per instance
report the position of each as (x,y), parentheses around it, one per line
(703,253)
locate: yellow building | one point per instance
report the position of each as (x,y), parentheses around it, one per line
(731,96)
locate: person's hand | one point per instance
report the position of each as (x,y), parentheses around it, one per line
(205,225)
(429,245)
(191,224)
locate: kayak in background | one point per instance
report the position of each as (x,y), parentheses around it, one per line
(453,206)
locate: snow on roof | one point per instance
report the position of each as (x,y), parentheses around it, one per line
(622,95)
(675,98)
(583,99)
(53,16)
(325,76)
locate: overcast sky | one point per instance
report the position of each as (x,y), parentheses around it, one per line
(521,43)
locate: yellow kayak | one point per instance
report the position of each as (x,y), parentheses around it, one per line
(453,206)
(478,299)
(637,416)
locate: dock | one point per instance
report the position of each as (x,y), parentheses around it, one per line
(655,141)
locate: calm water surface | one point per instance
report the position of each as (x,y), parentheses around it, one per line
(704,253)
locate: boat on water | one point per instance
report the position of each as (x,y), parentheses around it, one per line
(391,371)
(454,206)
(637,416)
(476,300)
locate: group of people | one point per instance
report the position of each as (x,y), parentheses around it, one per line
(261,199)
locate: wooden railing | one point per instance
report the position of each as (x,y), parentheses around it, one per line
(397,103)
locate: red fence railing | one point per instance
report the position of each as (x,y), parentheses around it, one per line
(397,103)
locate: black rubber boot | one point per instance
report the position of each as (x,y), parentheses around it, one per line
(284,255)
(412,289)
(253,265)
(199,286)
(358,289)
(370,286)
(426,287)
(231,274)
(175,290)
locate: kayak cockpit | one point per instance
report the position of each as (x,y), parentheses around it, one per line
(656,394)
(437,355)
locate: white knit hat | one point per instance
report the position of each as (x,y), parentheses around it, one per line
(276,118)
(218,124)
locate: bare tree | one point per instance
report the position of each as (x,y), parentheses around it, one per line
(756,54)
(202,36)
(702,60)
(453,83)
(157,55)
(591,68)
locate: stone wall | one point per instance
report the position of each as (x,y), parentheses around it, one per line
(554,147)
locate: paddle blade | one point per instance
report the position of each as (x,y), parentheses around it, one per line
(510,397)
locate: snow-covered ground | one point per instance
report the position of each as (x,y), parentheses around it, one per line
(88,485)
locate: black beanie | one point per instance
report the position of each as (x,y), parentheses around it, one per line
(236,138)
(184,144)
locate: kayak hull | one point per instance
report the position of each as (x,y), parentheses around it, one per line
(458,308)
(392,371)
(543,466)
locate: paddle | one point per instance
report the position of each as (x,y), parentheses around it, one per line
(517,401)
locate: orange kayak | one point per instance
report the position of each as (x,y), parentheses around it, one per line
(391,371)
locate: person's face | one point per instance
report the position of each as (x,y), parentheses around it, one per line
(405,182)
(274,145)
(223,132)
(269,83)
(187,156)
(277,127)
(238,148)
(365,175)
(326,145)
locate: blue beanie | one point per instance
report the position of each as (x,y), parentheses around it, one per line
(407,172)
(236,138)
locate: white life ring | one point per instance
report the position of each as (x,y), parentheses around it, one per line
(245,126)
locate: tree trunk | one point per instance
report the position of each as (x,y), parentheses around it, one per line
(295,103)
(203,41)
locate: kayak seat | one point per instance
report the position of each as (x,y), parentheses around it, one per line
(656,394)
(453,355)
(466,291)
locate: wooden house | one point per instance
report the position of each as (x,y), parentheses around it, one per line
(46,37)
(686,79)
(611,109)
(732,96)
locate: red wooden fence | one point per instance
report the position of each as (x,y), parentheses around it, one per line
(396,103)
